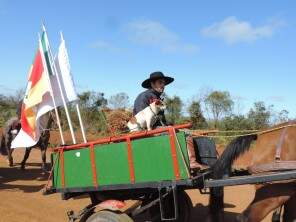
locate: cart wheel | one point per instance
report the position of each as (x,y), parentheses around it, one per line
(185,208)
(108,216)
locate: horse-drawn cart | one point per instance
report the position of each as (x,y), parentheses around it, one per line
(151,168)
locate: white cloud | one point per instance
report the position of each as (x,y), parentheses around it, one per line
(103,45)
(276,98)
(233,30)
(153,33)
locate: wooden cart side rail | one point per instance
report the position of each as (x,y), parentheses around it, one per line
(130,160)
(61,156)
(174,153)
(93,165)
(137,187)
(136,135)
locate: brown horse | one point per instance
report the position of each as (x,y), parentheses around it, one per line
(275,150)
(8,135)
(9,132)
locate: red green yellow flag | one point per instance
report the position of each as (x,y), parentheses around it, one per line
(34,103)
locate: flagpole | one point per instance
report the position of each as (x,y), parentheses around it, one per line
(81,124)
(51,92)
(77,108)
(60,88)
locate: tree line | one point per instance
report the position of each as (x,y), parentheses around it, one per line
(213,110)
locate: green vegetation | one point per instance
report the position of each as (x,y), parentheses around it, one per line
(214,111)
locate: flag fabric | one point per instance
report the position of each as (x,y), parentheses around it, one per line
(38,89)
(47,103)
(43,92)
(64,71)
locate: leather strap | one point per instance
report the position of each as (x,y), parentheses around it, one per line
(280,145)
(273,167)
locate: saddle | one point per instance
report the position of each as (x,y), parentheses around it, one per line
(278,164)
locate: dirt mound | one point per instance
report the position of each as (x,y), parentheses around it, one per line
(117,120)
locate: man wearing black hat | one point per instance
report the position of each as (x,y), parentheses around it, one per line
(155,86)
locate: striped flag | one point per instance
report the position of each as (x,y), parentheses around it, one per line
(33,107)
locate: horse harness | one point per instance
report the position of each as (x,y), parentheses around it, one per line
(278,164)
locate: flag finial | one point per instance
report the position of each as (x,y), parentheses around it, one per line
(43,26)
(62,36)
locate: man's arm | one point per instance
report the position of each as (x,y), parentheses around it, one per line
(141,102)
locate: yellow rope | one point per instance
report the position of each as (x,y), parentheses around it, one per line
(248,134)
(276,129)
(221,131)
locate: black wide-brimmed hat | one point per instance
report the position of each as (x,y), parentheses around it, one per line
(154,76)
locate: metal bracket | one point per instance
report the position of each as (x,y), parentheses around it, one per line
(173,189)
(72,216)
(204,191)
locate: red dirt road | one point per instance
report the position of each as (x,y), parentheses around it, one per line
(21,196)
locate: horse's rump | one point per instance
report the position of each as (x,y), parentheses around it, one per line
(275,150)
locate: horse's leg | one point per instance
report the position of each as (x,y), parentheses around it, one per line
(257,211)
(216,203)
(277,214)
(43,157)
(290,210)
(43,147)
(9,150)
(9,156)
(26,156)
(267,199)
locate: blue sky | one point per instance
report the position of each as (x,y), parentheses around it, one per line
(245,47)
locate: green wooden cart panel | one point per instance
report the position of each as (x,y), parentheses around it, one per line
(152,161)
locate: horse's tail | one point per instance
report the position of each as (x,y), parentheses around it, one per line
(233,150)
(222,167)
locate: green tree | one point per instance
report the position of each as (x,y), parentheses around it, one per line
(92,100)
(8,106)
(282,116)
(196,116)
(260,115)
(92,105)
(119,101)
(174,109)
(236,122)
(218,103)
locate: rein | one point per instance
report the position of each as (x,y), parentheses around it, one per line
(254,132)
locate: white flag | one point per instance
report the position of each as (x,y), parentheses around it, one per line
(63,70)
